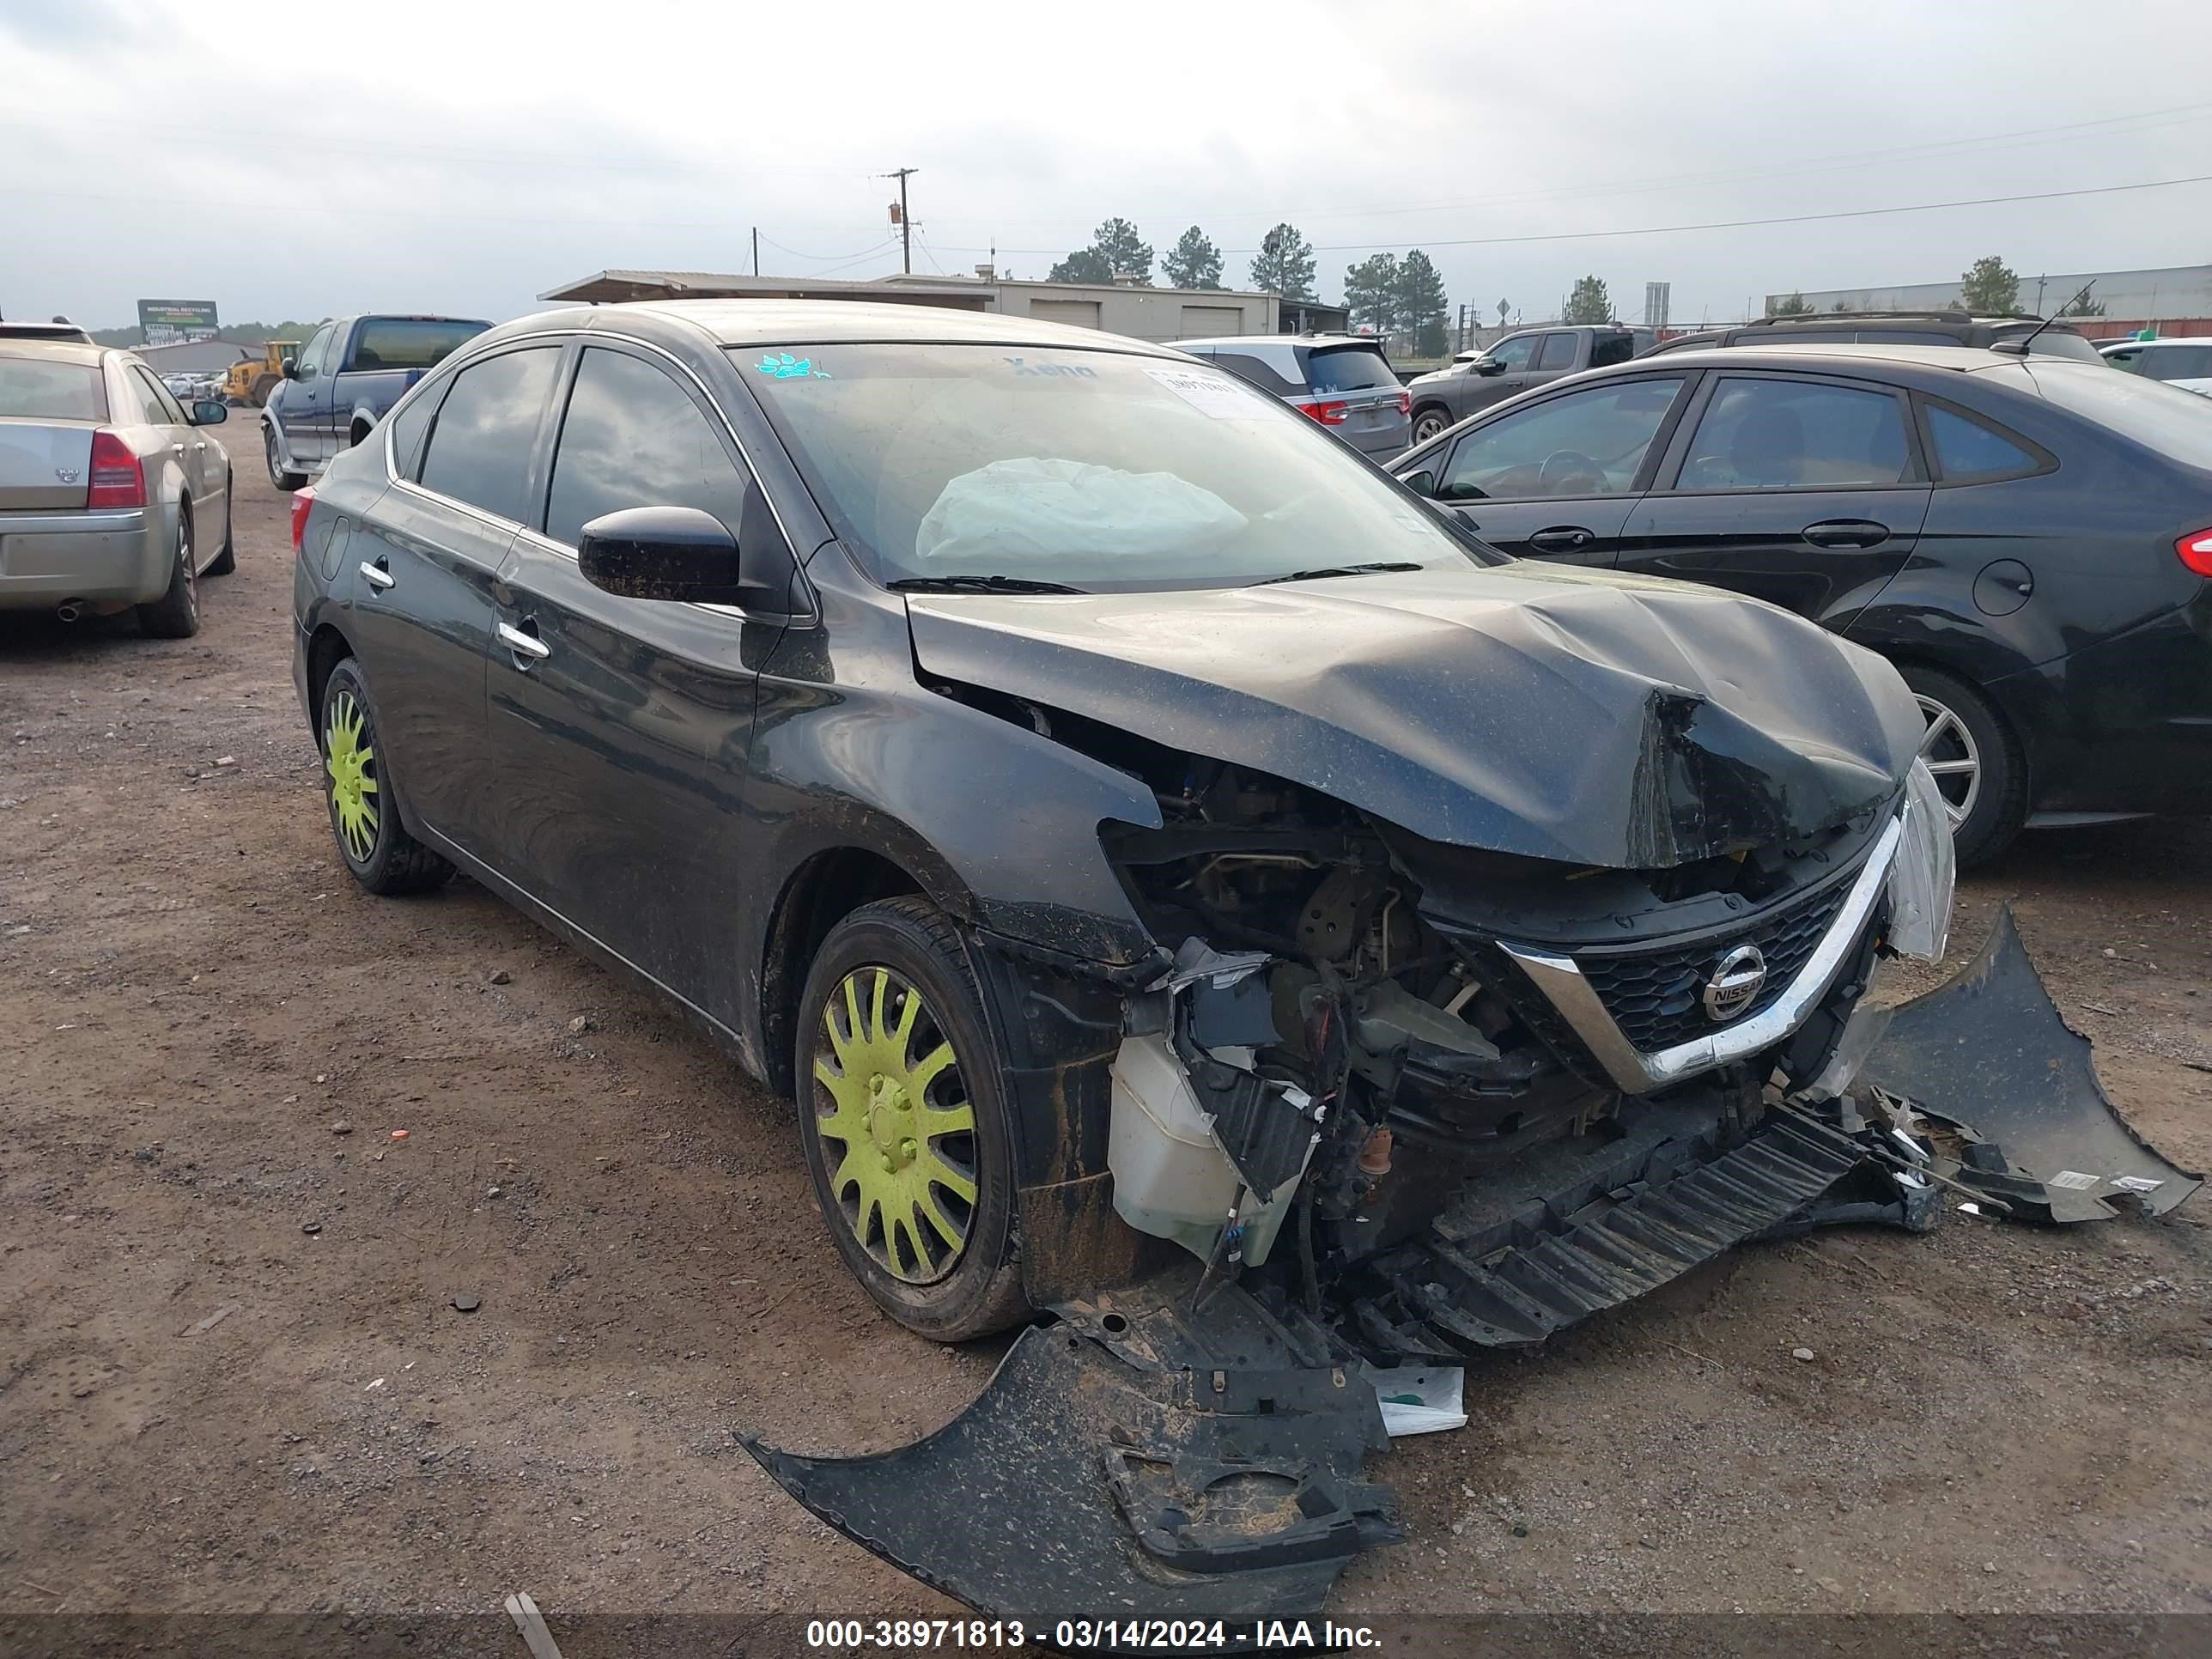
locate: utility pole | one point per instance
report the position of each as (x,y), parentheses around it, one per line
(755,250)
(905,221)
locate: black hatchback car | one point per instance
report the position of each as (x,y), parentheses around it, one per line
(1068,771)
(2029,540)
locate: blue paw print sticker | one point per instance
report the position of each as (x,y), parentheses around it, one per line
(785,367)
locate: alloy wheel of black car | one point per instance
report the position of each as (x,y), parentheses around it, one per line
(903,1123)
(377,851)
(1976,762)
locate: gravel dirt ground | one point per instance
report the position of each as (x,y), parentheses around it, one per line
(235,1378)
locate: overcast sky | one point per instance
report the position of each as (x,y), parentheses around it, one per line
(295,160)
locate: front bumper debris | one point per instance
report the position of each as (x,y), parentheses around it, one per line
(1191,1447)
(1138,1457)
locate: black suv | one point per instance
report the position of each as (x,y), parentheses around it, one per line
(1922,328)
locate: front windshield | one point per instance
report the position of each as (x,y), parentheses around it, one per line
(1092,470)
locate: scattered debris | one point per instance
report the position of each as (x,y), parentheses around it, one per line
(1417,1399)
(498,976)
(491,1192)
(200,1327)
(578,1026)
(227,760)
(467,1301)
(1802,1355)
(340,1128)
(372,1387)
(399,1134)
(311,1228)
(531,1624)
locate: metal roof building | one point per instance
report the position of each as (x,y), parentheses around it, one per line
(1159,314)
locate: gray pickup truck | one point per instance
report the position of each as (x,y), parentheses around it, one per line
(1476,379)
(343,382)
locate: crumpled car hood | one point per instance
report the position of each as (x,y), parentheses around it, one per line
(1524,708)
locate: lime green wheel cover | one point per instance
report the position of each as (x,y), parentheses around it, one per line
(897,1131)
(351,762)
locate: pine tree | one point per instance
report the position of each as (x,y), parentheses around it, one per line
(1284,264)
(1193,262)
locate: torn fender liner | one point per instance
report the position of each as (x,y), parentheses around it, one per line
(1082,1483)
(1990,1052)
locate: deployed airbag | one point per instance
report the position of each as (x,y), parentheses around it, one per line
(1024,514)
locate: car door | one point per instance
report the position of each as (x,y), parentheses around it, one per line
(419,574)
(188,445)
(1805,491)
(1556,478)
(303,402)
(1471,392)
(621,725)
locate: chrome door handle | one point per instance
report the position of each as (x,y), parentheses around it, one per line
(524,645)
(176,449)
(377,578)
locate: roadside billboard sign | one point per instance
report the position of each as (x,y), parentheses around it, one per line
(168,322)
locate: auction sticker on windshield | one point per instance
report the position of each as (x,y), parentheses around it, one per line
(1210,394)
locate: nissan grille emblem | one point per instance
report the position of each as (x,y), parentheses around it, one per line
(1735,984)
(66,474)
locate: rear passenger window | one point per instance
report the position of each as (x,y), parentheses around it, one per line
(1558,352)
(1246,366)
(479,446)
(1966,450)
(161,409)
(1796,435)
(633,437)
(408,426)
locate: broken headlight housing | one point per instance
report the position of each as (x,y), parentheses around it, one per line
(1921,879)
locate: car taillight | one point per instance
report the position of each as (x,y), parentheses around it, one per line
(303,503)
(1405,403)
(118,480)
(2195,550)
(1329,414)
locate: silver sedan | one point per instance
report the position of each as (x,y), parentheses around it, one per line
(112,495)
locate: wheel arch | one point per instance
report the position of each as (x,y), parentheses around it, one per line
(327,647)
(821,892)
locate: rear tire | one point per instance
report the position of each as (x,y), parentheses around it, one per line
(902,1117)
(278,475)
(1978,762)
(176,614)
(375,845)
(1427,423)
(226,561)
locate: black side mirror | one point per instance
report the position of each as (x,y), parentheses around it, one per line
(210,411)
(291,368)
(1422,483)
(684,555)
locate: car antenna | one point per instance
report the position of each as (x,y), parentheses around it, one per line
(2020,347)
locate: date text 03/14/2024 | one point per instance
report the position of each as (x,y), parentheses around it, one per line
(1117,1635)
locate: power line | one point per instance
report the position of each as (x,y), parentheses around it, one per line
(2170,115)
(819,257)
(1714,224)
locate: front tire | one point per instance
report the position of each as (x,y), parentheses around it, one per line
(902,1117)
(1977,763)
(373,844)
(226,561)
(278,475)
(176,614)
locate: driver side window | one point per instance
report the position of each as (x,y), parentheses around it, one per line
(1517,352)
(310,360)
(1591,442)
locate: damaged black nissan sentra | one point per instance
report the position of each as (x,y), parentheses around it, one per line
(1200,899)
